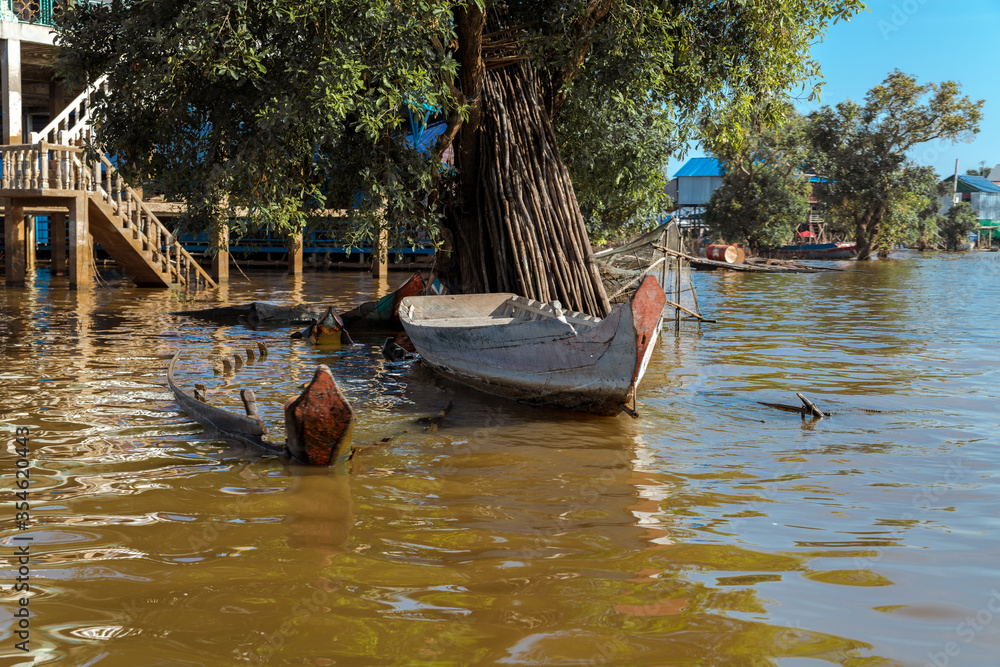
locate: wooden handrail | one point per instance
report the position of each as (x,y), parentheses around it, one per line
(55,160)
(71,121)
(137,215)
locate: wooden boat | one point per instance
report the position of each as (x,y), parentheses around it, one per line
(515,347)
(383,315)
(318,423)
(815,251)
(327,330)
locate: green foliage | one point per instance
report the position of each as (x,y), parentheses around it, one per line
(272,111)
(616,155)
(760,209)
(764,195)
(960,221)
(912,211)
(279,111)
(982,170)
(862,150)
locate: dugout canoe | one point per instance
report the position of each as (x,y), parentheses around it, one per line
(383,314)
(515,347)
(318,423)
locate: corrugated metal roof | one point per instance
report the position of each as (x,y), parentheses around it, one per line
(973,184)
(700,166)
(995,174)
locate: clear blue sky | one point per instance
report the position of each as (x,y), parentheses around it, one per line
(934,40)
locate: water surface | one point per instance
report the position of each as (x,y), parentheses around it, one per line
(712,531)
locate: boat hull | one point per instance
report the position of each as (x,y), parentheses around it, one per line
(590,369)
(816,251)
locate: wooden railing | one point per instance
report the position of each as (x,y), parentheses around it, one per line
(44,167)
(72,126)
(41,166)
(145,226)
(61,143)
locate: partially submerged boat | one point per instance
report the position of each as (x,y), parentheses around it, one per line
(519,348)
(258,314)
(328,330)
(318,423)
(383,314)
(379,315)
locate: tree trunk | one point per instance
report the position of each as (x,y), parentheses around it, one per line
(866,231)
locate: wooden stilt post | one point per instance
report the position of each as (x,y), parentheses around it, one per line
(220,262)
(30,242)
(14,240)
(57,241)
(380,250)
(295,255)
(79,243)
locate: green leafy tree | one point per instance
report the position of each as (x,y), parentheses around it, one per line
(761,208)
(912,209)
(280,110)
(982,170)
(960,221)
(862,149)
(764,195)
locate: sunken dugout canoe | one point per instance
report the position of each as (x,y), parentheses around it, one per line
(318,423)
(258,314)
(521,349)
(383,314)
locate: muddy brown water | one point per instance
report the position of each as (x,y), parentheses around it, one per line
(712,531)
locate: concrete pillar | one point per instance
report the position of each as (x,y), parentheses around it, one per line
(295,255)
(57,241)
(380,250)
(220,262)
(15,265)
(10,91)
(79,243)
(30,242)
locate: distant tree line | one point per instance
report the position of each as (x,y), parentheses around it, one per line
(870,190)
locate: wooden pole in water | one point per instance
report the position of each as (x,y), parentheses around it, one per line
(220,262)
(57,241)
(14,242)
(30,242)
(295,255)
(79,243)
(677,291)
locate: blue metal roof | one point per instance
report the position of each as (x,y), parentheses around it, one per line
(979,183)
(700,166)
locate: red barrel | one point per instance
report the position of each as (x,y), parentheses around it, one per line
(729,254)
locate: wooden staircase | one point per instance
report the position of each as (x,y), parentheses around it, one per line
(54,167)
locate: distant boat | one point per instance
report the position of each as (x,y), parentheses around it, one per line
(815,251)
(515,347)
(383,314)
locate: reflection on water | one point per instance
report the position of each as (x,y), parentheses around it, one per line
(712,531)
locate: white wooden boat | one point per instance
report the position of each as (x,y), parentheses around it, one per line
(515,347)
